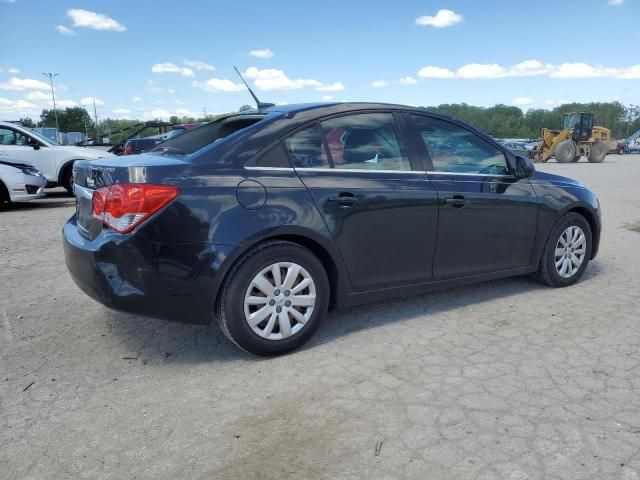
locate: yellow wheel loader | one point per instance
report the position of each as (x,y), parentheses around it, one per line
(578,138)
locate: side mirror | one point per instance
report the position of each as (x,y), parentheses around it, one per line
(36,146)
(524,167)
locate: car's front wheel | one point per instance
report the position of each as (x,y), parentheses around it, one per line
(274,299)
(567,252)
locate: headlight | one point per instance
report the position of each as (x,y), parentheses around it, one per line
(32,171)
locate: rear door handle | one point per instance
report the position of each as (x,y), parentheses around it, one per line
(344,199)
(457,201)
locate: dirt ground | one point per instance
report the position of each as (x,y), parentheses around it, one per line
(505,379)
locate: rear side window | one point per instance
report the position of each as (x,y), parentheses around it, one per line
(367,141)
(276,157)
(306,149)
(457,150)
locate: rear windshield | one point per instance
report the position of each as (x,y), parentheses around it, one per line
(200,137)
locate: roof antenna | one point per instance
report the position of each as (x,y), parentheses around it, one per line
(259,104)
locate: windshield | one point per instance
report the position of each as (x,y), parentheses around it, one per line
(43,139)
(571,119)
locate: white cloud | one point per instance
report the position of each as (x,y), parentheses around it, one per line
(379,83)
(409,80)
(153,88)
(94,20)
(198,65)
(162,114)
(15,108)
(531,68)
(16,83)
(327,98)
(480,70)
(38,96)
(435,72)
(262,53)
(121,111)
(136,99)
(13,71)
(65,30)
(615,3)
(274,79)
(65,103)
(169,67)
(444,18)
(90,100)
(521,101)
(331,87)
(219,85)
(555,103)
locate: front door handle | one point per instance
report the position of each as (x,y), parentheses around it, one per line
(457,201)
(344,199)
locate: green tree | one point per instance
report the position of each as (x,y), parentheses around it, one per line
(71,119)
(27,122)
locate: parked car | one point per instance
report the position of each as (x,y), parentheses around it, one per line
(19,182)
(517,148)
(266,219)
(53,160)
(135,146)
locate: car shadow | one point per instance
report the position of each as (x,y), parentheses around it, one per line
(171,342)
(53,199)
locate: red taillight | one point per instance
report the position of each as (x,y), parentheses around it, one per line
(127,150)
(125,206)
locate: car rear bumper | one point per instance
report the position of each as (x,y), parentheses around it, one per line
(176,282)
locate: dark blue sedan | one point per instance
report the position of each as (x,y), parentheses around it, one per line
(266,219)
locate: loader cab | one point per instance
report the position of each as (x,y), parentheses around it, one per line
(580,123)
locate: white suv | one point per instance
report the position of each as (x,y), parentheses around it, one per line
(53,160)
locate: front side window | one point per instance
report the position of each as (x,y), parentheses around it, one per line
(368,141)
(457,150)
(306,149)
(7,137)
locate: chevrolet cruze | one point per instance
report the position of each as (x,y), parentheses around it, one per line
(266,219)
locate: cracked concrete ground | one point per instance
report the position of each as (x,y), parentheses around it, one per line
(506,379)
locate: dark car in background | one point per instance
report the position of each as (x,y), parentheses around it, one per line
(134,146)
(266,219)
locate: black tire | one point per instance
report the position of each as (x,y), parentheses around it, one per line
(67,179)
(230,305)
(4,196)
(547,273)
(621,151)
(565,151)
(598,152)
(576,158)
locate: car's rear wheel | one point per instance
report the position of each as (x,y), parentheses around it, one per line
(274,299)
(567,252)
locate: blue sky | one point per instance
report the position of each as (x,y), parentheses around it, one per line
(149,59)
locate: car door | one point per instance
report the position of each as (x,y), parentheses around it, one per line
(487,216)
(380,209)
(14,144)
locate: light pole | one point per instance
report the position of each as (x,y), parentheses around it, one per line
(55,110)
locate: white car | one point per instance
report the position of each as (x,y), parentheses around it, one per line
(20,182)
(53,160)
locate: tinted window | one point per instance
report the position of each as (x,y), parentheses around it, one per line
(275,157)
(455,149)
(306,149)
(11,137)
(368,141)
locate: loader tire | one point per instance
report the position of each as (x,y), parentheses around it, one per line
(565,151)
(576,158)
(598,152)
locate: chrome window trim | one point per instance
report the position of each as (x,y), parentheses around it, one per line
(277,169)
(430,172)
(359,170)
